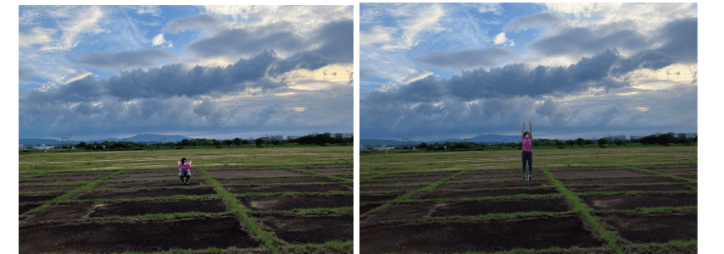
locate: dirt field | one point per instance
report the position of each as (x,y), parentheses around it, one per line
(258,209)
(587,209)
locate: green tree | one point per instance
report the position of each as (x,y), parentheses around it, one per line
(259,141)
(571,142)
(81,144)
(237,141)
(228,142)
(422,145)
(580,142)
(618,142)
(602,142)
(245,142)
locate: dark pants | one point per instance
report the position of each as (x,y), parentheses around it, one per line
(186,175)
(528,156)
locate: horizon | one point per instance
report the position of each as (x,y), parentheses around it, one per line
(455,70)
(222,71)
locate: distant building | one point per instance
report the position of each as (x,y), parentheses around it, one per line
(23,147)
(337,135)
(347,135)
(383,147)
(690,135)
(635,137)
(292,137)
(43,146)
(680,135)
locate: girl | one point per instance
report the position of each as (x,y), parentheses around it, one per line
(527,141)
(184,170)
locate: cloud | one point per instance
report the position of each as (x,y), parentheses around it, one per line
(543,19)
(193,22)
(162,82)
(415,20)
(37,35)
(491,7)
(84,21)
(124,60)
(25,73)
(487,57)
(377,34)
(500,39)
(149,9)
(158,40)
(334,39)
(239,42)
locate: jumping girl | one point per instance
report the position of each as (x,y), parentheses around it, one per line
(184,170)
(527,140)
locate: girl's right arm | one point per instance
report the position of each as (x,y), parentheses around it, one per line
(522,132)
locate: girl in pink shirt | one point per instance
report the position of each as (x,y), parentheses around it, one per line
(526,140)
(184,170)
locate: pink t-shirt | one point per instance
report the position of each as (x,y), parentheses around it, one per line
(187,167)
(527,143)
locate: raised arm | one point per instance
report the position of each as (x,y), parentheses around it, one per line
(522,132)
(530,126)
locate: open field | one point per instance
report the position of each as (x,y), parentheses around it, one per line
(269,200)
(624,200)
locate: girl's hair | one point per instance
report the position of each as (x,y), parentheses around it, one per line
(183,160)
(526,133)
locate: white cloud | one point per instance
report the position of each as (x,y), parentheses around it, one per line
(491,7)
(158,40)
(85,21)
(149,9)
(511,44)
(37,35)
(500,38)
(377,34)
(297,19)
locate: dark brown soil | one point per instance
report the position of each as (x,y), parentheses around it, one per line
(254,173)
(482,193)
(162,170)
(286,188)
(400,212)
(695,177)
(463,236)
(378,197)
(595,173)
(366,208)
(310,229)
(27,207)
(487,177)
(154,176)
(241,168)
(170,206)
(59,212)
(403,180)
(61,179)
(345,170)
(337,173)
(614,180)
(146,193)
(152,184)
(474,208)
(388,188)
(313,179)
(626,202)
(345,176)
(483,185)
(658,228)
(99,173)
(675,171)
(282,203)
(671,187)
(154,236)
(582,168)
(48,188)
(38,197)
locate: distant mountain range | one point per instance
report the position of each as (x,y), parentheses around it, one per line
(137,138)
(492,138)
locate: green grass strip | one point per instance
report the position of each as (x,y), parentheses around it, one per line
(580,208)
(240,211)
(72,193)
(334,246)
(408,195)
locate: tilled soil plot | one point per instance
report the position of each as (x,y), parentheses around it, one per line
(379,197)
(667,187)
(146,193)
(626,202)
(156,176)
(151,184)
(162,170)
(309,229)
(332,171)
(658,228)
(169,206)
(403,180)
(390,188)
(474,208)
(241,168)
(287,188)
(270,180)
(675,171)
(59,212)
(678,173)
(38,197)
(345,176)
(445,173)
(254,173)
(615,180)
(486,177)
(582,168)
(482,193)
(595,173)
(367,207)
(31,188)
(282,203)
(463,236)
(695,177)
(61,179)
(24,208)
(400,212)
(483,185)
(153,236)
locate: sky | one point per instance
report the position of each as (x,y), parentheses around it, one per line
(439,71)
(97,72)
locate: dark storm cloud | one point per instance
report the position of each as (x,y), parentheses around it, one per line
(583,40)
(167,81)
(536,20)
(334,39)
(240,41)
(193,22)
(25,73)
(124,60)
(465,59)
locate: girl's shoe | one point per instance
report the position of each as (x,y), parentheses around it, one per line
(525,178)
(530,178)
